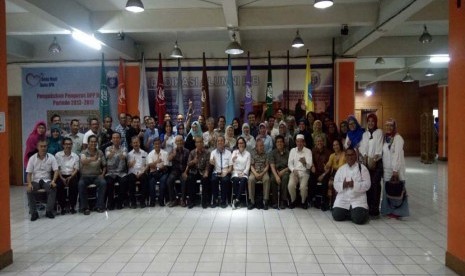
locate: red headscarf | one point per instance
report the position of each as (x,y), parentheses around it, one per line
(32,139)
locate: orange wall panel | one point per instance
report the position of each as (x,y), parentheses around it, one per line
(5,238)
(456,187)
(132,89)
(345,86)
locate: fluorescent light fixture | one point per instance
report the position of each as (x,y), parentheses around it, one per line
(439,59)
(368,93)
(323,4)
(429,73)
(176,53)
(88,40)
(297,42)
(234,48)
(135,6)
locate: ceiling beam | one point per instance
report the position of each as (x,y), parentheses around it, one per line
(69,15)
(231,17)
(391,14)
(19,48)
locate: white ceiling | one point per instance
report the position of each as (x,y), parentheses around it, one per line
(377,28)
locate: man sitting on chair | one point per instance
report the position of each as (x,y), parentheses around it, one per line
(39,170)
(300,162)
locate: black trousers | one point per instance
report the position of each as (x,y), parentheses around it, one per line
(192,187)
(143,188)
(374,193)
(72,191)
(357,215)
(122,192)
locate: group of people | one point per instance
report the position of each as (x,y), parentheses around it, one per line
(281,162)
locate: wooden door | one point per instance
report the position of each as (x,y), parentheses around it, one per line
(15,140)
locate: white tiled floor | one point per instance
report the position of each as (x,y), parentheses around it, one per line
(178,241)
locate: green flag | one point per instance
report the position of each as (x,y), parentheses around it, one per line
(269,89)
(104,101)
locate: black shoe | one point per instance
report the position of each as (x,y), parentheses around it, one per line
(49,215)
(224,205)
(86,212)
(204,206)
(133,205)
(250,206)
(265,206)
(213,205)
(275,206)
(152,204)
(143,205)
(72,211)
(99,210)
(63,211)
(34,216)
(292,205)
(161,203)
(111,207)
(190,205)
(283,204)
(305,205)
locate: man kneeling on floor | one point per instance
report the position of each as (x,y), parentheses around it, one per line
(39,171)
(352,180)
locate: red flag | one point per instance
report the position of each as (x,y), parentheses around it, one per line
(121,89)
(160,102)
(205,93)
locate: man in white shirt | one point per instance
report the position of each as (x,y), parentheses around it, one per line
(39,176)
(300,162)
(93,130)
(220,159)
(137,164)
(351,181)
(68,164)
(76,137)
(157,161)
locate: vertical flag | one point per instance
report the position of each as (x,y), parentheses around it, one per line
(269,89)
(205,93)
(308,95)
(121,89)
(248,100)
(160,98)
(230,97)
(104,101)
(144,109)
(179,97)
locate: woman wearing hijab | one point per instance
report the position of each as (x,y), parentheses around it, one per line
(54,142)
(331,135)
(288,140)
(318,131)
(230,141)
(371,150)
(37,134)
(394,170)
(355,133)
(196,131)
(249,139)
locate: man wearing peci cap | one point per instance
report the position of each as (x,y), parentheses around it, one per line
(300,162)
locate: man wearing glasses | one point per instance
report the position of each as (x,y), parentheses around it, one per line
(68,164)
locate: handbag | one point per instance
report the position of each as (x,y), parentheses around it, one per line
(395,192)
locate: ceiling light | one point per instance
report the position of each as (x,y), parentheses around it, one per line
(88,40)
(380,60)
(54,48)
(429,73)
(297,42)
(176,53)
(439,59)
(425,37)
(323,4)
(234,48)
(407,77)
(368,92)
(135,6)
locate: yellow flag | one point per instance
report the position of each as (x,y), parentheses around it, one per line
(308,93)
